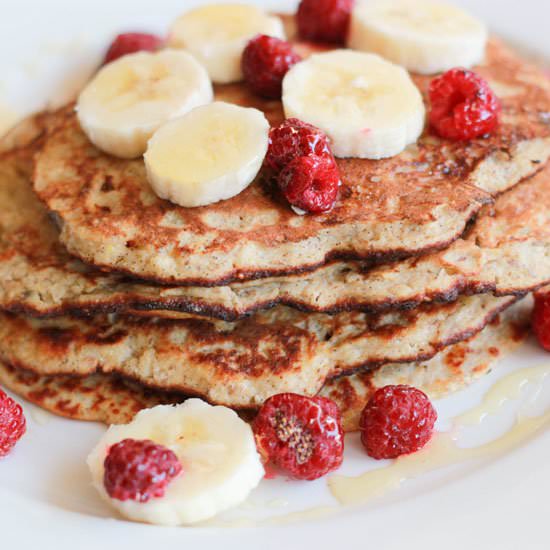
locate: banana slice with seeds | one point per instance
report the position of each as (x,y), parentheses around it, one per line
(217,34)
(129,99)
(211,154)
(368,107)
(424,36)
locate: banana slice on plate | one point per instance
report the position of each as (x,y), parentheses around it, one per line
(424,36)
(217,452)
(217,34)
(129,99)
(368,107)
(211,154)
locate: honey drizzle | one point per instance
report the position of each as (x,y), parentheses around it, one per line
(443,449)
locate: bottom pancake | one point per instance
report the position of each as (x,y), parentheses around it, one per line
(111,399)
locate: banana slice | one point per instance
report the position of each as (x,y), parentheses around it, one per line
(217,35)
(211,154)
(424,36)
(368,107)
(217,452)
(129,99)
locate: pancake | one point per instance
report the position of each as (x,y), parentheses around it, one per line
(507,251)
(98,397)
(240,364)
(389,209)
(113,400)
(453,369)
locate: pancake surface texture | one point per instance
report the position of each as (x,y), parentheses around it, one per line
(413,203)
(109,366)
(243,363)
(109,399)
(506,251)
(451,370)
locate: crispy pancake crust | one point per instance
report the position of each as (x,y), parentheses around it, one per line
(97,397)
(113,400)
(451,370)
(243,363)
(418,201)
(506,251)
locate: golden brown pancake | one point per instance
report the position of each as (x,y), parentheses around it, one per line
(453,369)
(416,202)
(98,397)
(506,251)
(113,400)
(243,363)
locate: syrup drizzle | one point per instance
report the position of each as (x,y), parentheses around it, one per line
(443,450)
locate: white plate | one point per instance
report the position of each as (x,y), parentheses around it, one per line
(46,500)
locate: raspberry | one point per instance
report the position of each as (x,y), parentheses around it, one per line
(310,183)
(541,318)
(324,20)
(12,423)
(294,138)
(463,106)
(139,470)
(132,42)
(301,435)
(265,62)
(397,420)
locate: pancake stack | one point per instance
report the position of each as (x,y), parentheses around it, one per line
(113,299)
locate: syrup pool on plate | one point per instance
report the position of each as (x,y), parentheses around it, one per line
(444,449)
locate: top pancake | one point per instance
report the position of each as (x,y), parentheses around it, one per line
(413,203)
(506,251)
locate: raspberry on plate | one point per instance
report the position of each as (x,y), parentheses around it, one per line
(397,420)
(294,138)
(265,62)
(463,106)
(324,20)
(311,183)
(132,42)
(541,318)
(301,435)
(12,423)
(139,470)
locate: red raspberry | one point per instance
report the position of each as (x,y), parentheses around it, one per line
(301,435)
(397,420)
(324,20)
(265,62)
(311,183)
(294,138)
(541,318)
(132,42)
(12,423)
(463,106)
(139,470)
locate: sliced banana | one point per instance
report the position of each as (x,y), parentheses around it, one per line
(217,34)
(367,106)
(424,36)
(129,99)
(211,154)
(217,452)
